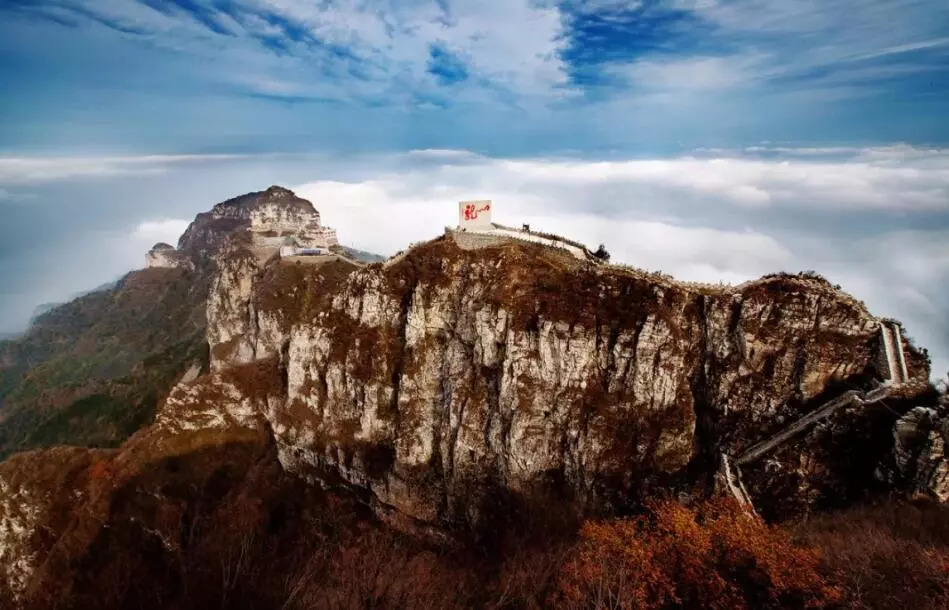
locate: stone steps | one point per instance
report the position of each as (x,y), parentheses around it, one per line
(732,478)
(822,412)
(732,473)
(893,351)
(897,381)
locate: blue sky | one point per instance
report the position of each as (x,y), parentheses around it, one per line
(497,76)
(714,140)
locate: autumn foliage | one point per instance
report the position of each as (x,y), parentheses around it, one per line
(100,470)
(891,554)
(672,557)
(230,529)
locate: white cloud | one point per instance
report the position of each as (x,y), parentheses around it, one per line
(691,217)
(891,178)
(442,153)
(656,210)
(818,45)
(691,73)
(164,230)
(385,215)
(511,44)
(875,220)
(904,48)
(19,170)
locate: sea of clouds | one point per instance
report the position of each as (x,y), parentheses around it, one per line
(874,220)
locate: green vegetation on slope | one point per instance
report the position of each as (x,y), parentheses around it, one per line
(92,371)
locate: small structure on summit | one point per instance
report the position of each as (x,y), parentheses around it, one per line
(291,247)
(278,213)
(476,230)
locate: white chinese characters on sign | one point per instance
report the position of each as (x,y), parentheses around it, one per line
(474,214)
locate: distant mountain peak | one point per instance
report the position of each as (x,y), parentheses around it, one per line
(279,191)
(267,217)
(244,205)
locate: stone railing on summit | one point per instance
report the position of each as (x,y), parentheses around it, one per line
(470,239)
(560,239)
(805,281)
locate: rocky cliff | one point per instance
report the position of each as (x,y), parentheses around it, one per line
(921,452)
(166,256)
(452,373)
(263,218)
(446,384)
(93,371)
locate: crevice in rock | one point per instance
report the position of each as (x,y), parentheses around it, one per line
(405,310)
(707,440)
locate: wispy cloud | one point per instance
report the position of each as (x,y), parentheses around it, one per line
(22,170)
(690,73)
(512,44)
(836,51)
(165,230)
(904,48)
(534,76)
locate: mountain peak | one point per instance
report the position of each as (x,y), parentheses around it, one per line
(269,217)
(243,205)
(279,191)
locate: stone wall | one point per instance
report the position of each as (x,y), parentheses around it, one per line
(469,240)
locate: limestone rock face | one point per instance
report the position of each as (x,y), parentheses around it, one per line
(230,332)
(921,441)
(166,256)
(235,239)
(436,380)
(265,218)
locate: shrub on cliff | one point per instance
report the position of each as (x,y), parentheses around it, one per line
(672,557)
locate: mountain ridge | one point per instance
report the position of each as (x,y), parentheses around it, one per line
(449,384)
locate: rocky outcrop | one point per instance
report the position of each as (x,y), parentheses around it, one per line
(921,442)
(263,219)
(231,335)
(437,381)
(166,256)
(36,491)
(74,522)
